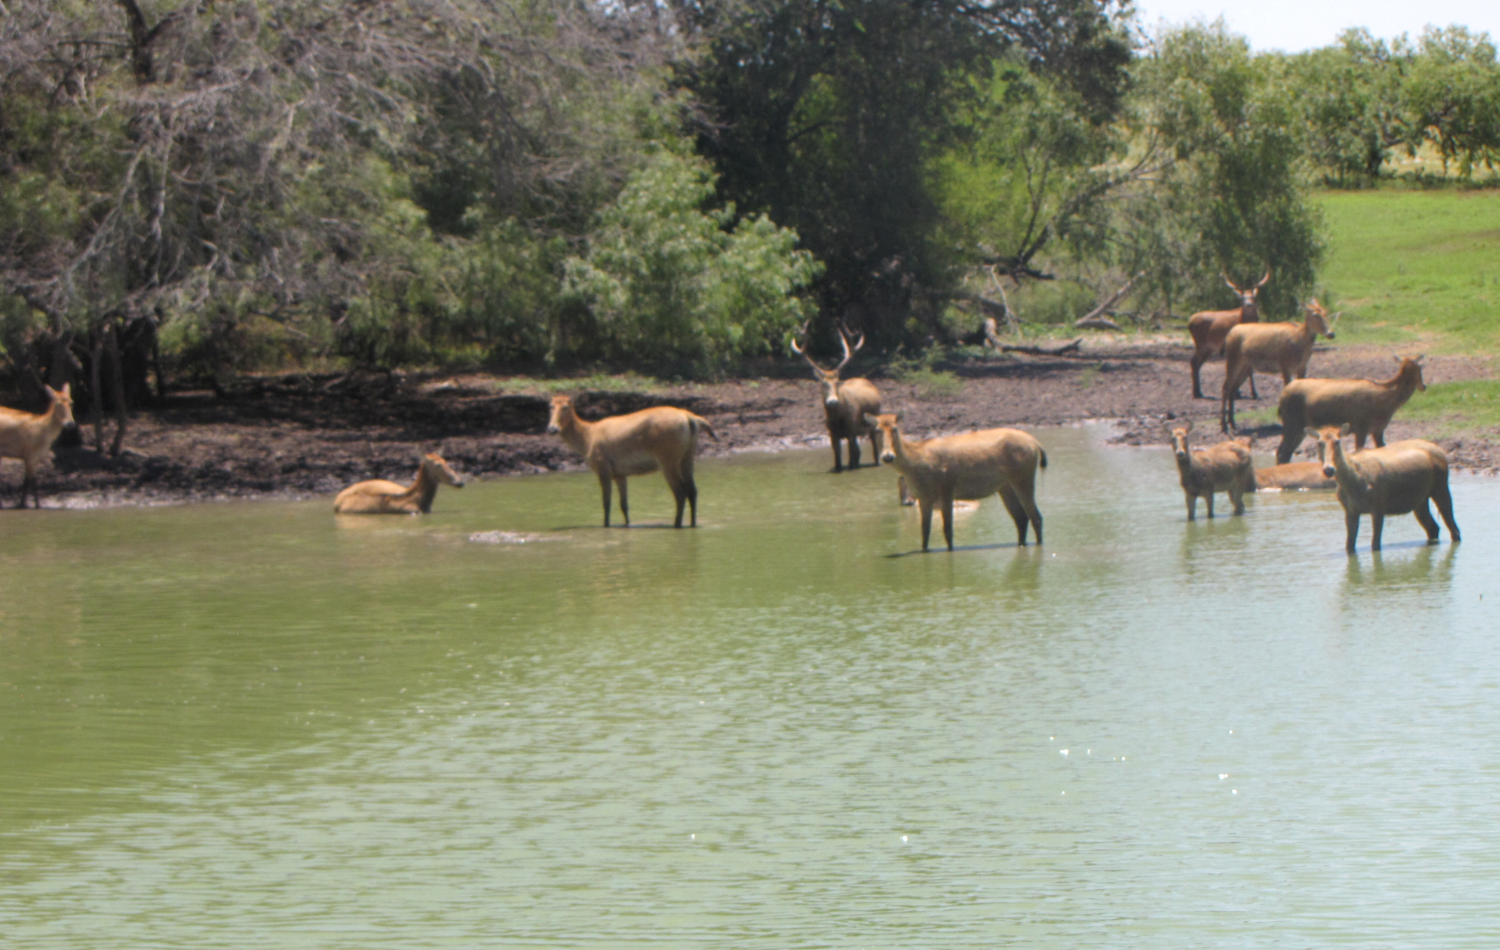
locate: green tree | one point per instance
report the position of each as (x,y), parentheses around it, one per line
(1452,96)
(680,288)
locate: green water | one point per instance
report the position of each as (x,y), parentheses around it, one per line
(258,725)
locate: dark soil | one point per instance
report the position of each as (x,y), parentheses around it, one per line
(298,436)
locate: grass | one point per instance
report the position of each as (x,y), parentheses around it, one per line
(1415,266)
(599,382)
(1468,406)
(921,373)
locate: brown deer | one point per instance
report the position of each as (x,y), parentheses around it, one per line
(27,436)
(1293,476)
(1391,480)
(1269,348)
(968,467)
(617,447)
(1225,467)
(1365,404)
(1210,328)
(846,403)
(380,497)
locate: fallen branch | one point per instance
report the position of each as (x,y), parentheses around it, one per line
(1095,319)
(1072,347)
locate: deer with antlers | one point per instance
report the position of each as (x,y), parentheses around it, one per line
(1210,329)
(846,403)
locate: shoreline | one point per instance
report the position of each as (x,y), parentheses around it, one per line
(301,437)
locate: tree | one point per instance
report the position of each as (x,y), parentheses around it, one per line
(825,114)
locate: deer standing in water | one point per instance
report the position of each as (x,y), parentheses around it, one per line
(380,497)
(617,447)
(1225,467)
(27,435)
(967,467)
(846,403)
(1391,480)
(1210,328)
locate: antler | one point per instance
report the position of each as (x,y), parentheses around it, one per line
(1264,280)
(803,353)
(1230,283)
(844,339)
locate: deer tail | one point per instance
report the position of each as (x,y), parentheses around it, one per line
(698,422)
(1043,453)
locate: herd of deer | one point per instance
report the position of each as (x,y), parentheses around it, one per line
(937,473)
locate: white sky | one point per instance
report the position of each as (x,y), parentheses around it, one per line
(1295,25)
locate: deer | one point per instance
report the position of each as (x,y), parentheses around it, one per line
(661,438)
(28,436)
(1210,328)
(1293,476)
(1367,405)
(1225,467)
(967,467)
(380,497)
(1269,348)
(846,403)
(1389,480)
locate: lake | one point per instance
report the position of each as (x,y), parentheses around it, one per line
(251,725)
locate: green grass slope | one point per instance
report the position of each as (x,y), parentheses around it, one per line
(1415,266)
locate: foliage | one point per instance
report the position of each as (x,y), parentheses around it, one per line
(671,284)
(1231,196)
(922,374)
(825,114)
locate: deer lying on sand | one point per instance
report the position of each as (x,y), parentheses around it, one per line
(27,436)
(380,497)
(1210,328)
(1268,348)
(1366,405)
(1294,476)
(846,403)
(617,447)
(1225,467)
(1392,480)
(969,467)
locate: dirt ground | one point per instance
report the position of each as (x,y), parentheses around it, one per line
(301,436)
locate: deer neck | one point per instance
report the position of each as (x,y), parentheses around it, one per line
(422,490)
(575,432)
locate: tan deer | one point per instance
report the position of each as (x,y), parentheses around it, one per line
(380,497)
(1294,476)
(1225,467)
(1391,480)
(1281,348)
(966,467)
(846,403)
(1367,405)
(617,447)
(28,436)
(1210,328)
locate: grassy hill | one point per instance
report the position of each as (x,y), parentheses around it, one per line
(1417,266)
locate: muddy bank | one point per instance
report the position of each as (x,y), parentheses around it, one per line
(311,435)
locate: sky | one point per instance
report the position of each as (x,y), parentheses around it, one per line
(1296,25)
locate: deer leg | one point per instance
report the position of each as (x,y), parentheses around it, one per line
(1428,522)
(29,482)
(1377,525)
(604,490)
(1197,365)
(1351,529)
(624,502)
(1444,500)
(1192,505)
(1017,513)
(948,520)
(838,459)
(1208,499)
(1253,393)
(926,508)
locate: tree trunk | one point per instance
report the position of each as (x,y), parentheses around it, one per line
(96,390)
(112,345)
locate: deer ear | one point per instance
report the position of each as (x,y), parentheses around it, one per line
(1345,429)
(1314,433)
(872,421)
(1187,425)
